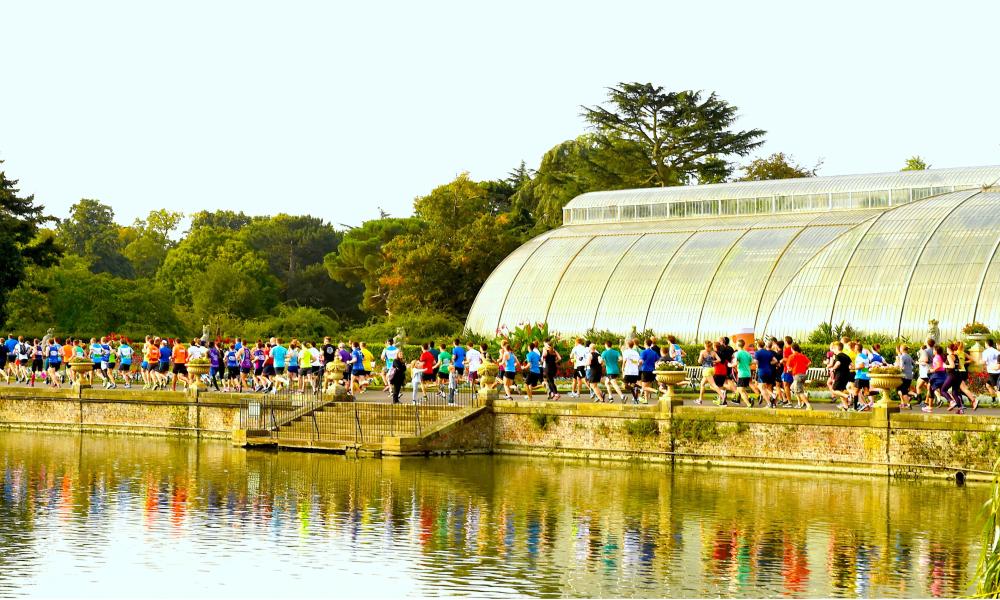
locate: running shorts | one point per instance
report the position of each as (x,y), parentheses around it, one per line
(799,384)
(767,378)
(268,370)
(862,384)
(647,376)
(840,383)
(787,377)
(719,380)
(631,379)
(743,382)
(125,368)
(180,369)
(532,378)
(580,372)
(460,371)
(164,367)
(994,378)
(904,387)
(510,375)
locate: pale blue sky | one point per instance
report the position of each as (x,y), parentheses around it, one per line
(333,109)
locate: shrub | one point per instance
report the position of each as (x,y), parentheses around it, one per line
(828,332)
(666,365)
(542,420)
(885,370)
(644,427)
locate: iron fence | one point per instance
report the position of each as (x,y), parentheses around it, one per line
(320,417)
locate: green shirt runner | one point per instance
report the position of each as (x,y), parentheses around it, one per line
(611,358)
(445,358)
(743,360)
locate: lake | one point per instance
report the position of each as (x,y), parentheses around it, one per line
(96,515)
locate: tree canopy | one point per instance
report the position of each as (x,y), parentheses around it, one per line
(776,166)
(915,163)
(682,137)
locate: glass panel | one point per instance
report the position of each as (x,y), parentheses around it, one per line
(744,269)
(484,316)
(677,209)
(947,277)
(871,294)
(765,205)
(532,289)
(806,300)
(631,285)
(628,212)
(730,206)
(842,200)
(681,291)
(799,252)
(575,301)
(642,211)
(900,197)
(748,206)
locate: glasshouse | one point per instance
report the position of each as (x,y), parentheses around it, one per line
(883,252)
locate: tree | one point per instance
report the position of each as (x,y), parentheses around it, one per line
(681,136)
(91,232)
(291,243)
(359,258)
(777,166)
(225,219)
(915,163)
(443,265)
(146,242)
(20,244)
(76,301)
(205,246)
(226,288)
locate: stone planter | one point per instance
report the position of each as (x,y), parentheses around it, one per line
(81,368)
(488,375)
(195,372)
(887,384)
(671,378)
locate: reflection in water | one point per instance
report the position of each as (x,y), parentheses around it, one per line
(94,515)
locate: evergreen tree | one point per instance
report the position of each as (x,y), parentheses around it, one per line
(20,244)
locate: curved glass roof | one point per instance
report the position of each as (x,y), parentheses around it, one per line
(887,269)
(820,194)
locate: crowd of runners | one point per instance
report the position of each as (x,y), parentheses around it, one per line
(770,373)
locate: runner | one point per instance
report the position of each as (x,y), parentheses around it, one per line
(369,364)
(279,362)
(798,363)
(427,362)
(595,373)
(862,381)
(551,359)
(742,362)
(180,358)
(767,362)
(533,365)
(508,362)
(357,365)
(579,356)
(473,360)
(54,352)
(647,364)
(611,360)
(387,356)
(125,353)
(630,369)
(458,360)
(840,368)
(163,370)
(38,355)
(905,363)
(991,358)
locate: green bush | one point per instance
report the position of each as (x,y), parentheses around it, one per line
(542,421)
(644,427)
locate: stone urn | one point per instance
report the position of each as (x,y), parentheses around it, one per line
(81,367)
(887,381)
(333,375)
(670,378)
(488,374)
(196,370)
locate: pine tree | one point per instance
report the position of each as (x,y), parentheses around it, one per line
(20,219)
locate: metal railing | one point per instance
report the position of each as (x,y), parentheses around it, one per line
(319,417)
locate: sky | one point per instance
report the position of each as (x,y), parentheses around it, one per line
(338,109)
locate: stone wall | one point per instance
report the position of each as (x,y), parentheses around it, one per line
(132,411)
(878,442)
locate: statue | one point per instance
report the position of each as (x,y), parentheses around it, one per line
(204,334)
(400,335)
(933,333)
(48,336)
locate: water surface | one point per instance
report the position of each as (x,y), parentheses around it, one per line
(91,515)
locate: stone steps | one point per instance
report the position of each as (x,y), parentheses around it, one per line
(337,424)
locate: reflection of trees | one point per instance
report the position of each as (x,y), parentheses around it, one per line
(548,527)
